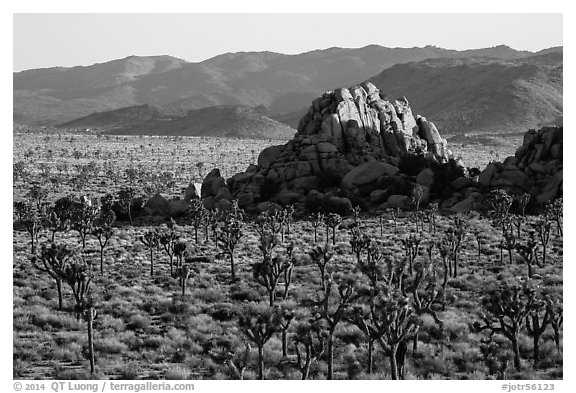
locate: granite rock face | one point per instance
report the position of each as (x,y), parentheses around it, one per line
(349,139)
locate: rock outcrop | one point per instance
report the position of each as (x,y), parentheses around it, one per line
(350,139)
(536,168)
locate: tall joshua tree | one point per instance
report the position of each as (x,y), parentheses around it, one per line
(228,237)
(151,240)
(333,312)
(269,271)
(309,345)
(321,256)
(333,221)
(103,231)
(30,219)
(259,323)
(316,220)
(79,277)
(53,260)
(507,308)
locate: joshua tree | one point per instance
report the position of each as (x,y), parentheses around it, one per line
(495,358)
(59,218)
(478,235)
(333,312)
(30,219)
(287,219)
(103,232)
(259,324)
(500,203)
(125,198)
(555,212)
(309,344)
(509,243)
(316,220)
(359,242)
(198,215)
(536,323)
(411,244)
(430,216)
(79,277)
(394,323)
(333,221)
(151,241)
(445,248)
(372,269)
(359,315)
(517,221)
(222,350)
(321,256)
(268,272)
(228,237)
(84,215)
(508,307)
(180,253)
(455,235)
(417,194)
(168,240)
(395,213)
(269,223)
(183,274)
(523,201)
(53,261)
(528,252)
(424,294)
(542,227)
(285,317)
(556,313)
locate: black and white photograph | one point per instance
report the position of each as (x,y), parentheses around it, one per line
(286,196)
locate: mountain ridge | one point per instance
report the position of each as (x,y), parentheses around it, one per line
(281,82)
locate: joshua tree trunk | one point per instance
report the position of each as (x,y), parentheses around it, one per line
(102,260)
(260,363)
(284,343)
(330,356)
(59,287)
(271,295)
(516,350)
(334,236)
(90,315)
(151,263)
(370,357)
(232,266)
(536,348)
(393,362)
(315,235)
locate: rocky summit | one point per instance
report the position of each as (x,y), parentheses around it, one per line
(349,143)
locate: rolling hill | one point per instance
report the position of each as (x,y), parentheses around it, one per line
(224,121)
(282,83)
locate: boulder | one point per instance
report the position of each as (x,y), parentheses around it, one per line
(400,201)
(177,208)
(425,177)
(212,183)
(269,155)
(367,173)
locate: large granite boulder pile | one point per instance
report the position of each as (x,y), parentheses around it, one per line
(351,140)
(536,168)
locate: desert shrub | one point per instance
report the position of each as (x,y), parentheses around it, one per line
(177,372)
(222,312)
(109,345)
(74,375)
(138,322)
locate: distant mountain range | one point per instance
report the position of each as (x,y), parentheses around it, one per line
(455,89)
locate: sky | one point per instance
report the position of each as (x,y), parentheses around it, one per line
(48,40)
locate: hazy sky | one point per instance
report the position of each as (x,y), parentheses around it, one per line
(47,40)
